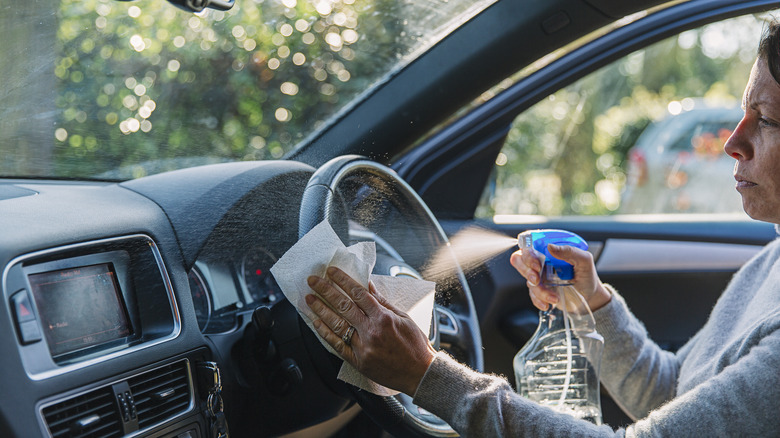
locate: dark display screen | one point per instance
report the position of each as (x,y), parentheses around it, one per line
(80,307)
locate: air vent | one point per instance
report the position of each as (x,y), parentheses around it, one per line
(161,393)
(123,407)
(90,415)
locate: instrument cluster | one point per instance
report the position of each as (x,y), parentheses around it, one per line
(221,290)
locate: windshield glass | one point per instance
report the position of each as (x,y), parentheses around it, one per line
(117,90)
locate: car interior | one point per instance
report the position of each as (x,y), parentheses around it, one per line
(146,307)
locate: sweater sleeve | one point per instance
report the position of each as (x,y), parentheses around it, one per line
(741,400)
(483,405)
(738,400)
(638,374)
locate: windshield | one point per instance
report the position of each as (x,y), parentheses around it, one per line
(101,89)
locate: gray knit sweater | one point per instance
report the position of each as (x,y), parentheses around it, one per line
(724,382)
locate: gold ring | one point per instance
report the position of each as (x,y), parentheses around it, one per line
(347,338)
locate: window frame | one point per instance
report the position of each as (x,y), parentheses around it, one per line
(464,138)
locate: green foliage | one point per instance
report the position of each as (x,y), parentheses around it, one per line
(144,87)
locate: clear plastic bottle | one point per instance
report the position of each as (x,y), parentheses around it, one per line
(559,366)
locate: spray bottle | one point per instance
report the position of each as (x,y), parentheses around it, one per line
(559,366)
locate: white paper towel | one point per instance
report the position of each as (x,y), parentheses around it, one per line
(321,248)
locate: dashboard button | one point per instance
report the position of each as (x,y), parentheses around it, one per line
(26,323)
(30,332)
(22,306)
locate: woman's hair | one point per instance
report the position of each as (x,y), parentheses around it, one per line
(769,48)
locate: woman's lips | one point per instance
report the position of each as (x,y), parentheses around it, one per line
(743,183)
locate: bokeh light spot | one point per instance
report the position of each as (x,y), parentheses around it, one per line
(61,134)
(289,88)
(282,115)
(174,65)
(302,25)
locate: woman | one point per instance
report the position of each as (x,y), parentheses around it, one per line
(723,382)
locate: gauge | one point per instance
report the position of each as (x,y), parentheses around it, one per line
(256,274)
(200,299)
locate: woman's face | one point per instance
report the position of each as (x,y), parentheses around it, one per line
(755,144)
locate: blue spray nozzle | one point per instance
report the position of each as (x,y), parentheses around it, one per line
(540,239)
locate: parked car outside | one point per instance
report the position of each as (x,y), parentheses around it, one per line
(678,164)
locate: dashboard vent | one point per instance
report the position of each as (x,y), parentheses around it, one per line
(161,393)
(90,415)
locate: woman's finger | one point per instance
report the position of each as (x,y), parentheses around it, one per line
(333,320)
(545,294)
(360,296)
(379,297)
(332,327)
(532,258)
(337,300)
(383,302)
(527,265)
(541,305)
(542,297)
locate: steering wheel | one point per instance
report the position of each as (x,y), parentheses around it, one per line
(364,200)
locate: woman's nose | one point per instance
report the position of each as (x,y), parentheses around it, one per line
(739,146)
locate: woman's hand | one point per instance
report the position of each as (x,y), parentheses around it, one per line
(529,264)
(386,345)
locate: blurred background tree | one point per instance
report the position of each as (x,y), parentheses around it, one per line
(145,87)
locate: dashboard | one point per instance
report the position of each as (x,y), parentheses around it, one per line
(127,306)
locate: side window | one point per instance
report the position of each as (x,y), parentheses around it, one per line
(644,134)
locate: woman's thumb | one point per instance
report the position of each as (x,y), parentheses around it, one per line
(563,252)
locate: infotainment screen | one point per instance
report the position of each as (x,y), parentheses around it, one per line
(80,307)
